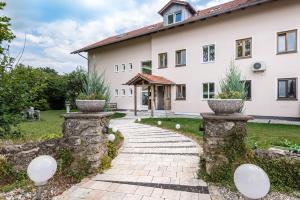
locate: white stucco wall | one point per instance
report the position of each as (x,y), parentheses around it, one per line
(261,23)
(105,59)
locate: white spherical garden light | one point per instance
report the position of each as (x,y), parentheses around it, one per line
(40,170)
(110,126)
(159,123)
(139,119)
(177,126)
(251,181)
(111,137)
(115,129)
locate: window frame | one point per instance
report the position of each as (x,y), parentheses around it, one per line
(171,14)
(209,46)
(249,81)
(123,67)
(116,92)
(286,42)
(286,89)
(174,17)
(159,63)
(123,92)
(130,66)
(180,98)
(208,90)
(244,48)
(130,92)
(180,64)
(117,68)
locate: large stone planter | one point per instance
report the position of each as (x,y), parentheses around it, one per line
(226,106)
(90,106)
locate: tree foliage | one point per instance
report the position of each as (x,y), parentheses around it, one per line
(6,34)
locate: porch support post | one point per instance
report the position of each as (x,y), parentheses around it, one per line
(152,100)
(135,100)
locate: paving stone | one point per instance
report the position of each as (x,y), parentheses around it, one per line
(145,191)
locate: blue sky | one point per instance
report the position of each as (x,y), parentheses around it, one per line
(54,28)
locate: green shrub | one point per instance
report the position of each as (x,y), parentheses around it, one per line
(105,163)
(231,86)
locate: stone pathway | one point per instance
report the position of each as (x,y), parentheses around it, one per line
(153,164)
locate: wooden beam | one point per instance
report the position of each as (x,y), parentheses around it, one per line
(152,101)
(135,100)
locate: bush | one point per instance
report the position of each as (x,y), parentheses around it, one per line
(231,86)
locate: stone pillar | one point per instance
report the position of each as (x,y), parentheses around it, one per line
(224,137)
(83,135)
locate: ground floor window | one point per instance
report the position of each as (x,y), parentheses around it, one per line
(116,92)
(248,89)
(130,91)
(123,92)
(208,90)
(180,92)
(287,88)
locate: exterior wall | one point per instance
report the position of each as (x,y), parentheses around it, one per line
(175,8)
(262,24)
(103,60)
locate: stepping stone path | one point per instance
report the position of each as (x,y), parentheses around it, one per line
(153,164)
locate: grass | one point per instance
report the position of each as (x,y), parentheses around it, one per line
(49,126)
(264,135)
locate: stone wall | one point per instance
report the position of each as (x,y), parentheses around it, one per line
(82,134)
(223,135)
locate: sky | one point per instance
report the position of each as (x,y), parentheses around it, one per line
(54,28)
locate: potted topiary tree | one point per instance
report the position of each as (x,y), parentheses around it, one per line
(95,93)
(232,96)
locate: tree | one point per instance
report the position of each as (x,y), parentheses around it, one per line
(6,34)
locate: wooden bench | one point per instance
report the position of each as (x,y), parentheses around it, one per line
(113,106)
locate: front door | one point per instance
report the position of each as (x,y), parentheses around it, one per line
(160,97)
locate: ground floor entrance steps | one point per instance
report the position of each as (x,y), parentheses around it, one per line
(153,164)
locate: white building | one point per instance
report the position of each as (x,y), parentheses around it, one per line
(190,51)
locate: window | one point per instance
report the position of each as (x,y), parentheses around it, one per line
(175,17)
(171,19)
(123,67)
(208,90)
(130,91)
(181,58)
(146,67)
(287,89)
(244,48)
(123,92)
(116,92)
(287,42)
(130,66)
(209,53)
(116,68)
(248,90)
(163,60)
(178,16)
(180,92)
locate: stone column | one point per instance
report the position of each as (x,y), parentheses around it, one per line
(224,137)
(83,135)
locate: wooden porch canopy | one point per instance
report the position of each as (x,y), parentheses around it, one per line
(150,80)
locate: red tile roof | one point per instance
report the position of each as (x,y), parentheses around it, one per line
(201,15)
(150,79)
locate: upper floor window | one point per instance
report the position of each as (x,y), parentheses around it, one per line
(123,67)
(175,17)
(287,88)
(163,60)
(244,48)
(116,68)
(181,58)
(208,90)
(209,53)
(130,66)
(180,92)
(287,42)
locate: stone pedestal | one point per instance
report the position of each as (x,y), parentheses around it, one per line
(224,137)
(83,135)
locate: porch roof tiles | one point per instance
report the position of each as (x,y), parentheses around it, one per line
(149,79)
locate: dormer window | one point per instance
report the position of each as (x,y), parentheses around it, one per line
(175,17)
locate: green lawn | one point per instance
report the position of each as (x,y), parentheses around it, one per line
(50,126)
(265,135)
